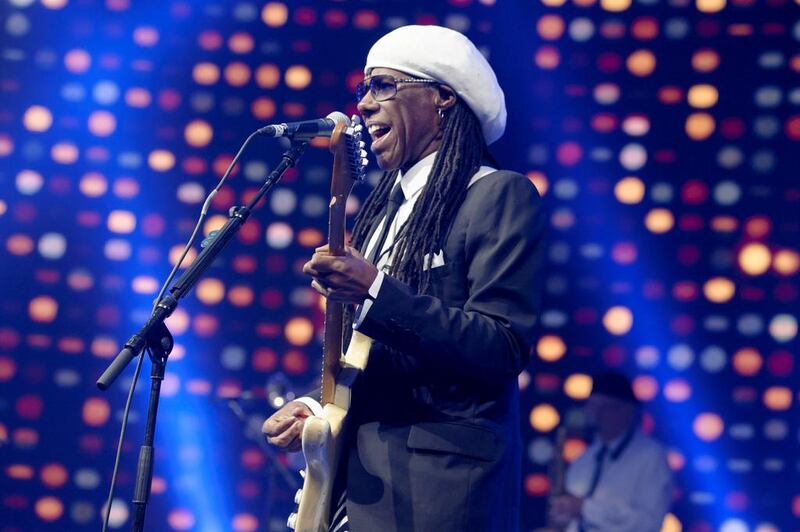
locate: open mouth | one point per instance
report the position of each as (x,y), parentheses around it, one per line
(378,132)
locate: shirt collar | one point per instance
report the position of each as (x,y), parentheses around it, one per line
(414,180)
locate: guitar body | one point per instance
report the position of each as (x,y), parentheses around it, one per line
(323,439)
(323,436)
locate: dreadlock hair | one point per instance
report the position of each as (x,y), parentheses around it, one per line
(460,155)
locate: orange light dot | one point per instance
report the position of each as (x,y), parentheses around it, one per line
(237,74)
(578,386)
(123,222)
(702,96)
(96,411)
(198,133)
(539,180)
(274,14)
(786,262)
(210,291)
(205,73)
(144,284)
(573,448)
(747,361)
(615,6)
(629,190)
(102,123)
(671,524)
(175,254)
(554,3)
(19,245)
(641,63)
(49,508)
(537,484)
(550,348)
(299,331)
(710,6)
(43,309)
(708,426)
(181,519)
(544,418)
(755,258)
(618,320)
(778,398)
(659,220)
(645,387)
(267,76)
(719,289)
(37,118)
(214,223)
(297,77)
(705,60)
(64,153)
(550,27)
(263,108)
(138,97)
(245,523)
(241,296)
(700,126)
(547,58)
(161,160)
(241,43)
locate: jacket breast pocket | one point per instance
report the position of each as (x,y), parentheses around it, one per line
(456,438)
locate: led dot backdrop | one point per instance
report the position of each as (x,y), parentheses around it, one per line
(663,135)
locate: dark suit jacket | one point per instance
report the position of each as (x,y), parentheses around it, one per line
(434,426)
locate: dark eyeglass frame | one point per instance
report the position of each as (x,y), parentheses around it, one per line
(368,85)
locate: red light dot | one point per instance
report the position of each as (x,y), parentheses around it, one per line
(537,485)
(30,406)
(8,368)
(54,475)
(569,153)
(295,362)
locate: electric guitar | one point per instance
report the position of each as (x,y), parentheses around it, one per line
(322,436)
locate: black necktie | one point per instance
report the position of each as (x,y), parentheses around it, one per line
(396,198)
(598,469)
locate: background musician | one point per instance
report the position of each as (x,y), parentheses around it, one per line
(622,482)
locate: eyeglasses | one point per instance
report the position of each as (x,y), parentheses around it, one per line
(384,86)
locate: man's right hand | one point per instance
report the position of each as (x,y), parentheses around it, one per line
(284,428)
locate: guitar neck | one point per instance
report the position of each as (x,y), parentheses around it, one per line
(334,320)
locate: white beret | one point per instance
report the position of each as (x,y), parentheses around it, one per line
(447,56)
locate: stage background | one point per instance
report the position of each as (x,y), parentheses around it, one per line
(663,135)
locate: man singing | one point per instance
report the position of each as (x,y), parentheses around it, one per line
(448,292)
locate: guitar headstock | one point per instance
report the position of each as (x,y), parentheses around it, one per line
(350,157)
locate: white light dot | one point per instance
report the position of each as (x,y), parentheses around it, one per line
(279,235)
(255,170)
(283,201)
(29,182)
(87,479)
(52,246)
(729,157)
(233,357)
(783,327)
(727,193)
(581,29)
(680,356)
(191,193)
(661,193)
(633,157)
(17,24)
(713,359)
(105,92)
(769,96)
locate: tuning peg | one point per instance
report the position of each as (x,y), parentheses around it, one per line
(292,521)
(303,473)
(355,119)
(298,495)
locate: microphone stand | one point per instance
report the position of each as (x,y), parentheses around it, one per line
(157,340)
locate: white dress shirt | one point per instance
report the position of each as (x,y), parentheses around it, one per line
(411,183)
(634,491)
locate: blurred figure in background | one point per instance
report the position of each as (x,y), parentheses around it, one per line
(622,482)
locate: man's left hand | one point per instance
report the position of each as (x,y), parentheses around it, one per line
(342,278)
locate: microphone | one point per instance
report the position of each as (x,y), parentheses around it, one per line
(307,129)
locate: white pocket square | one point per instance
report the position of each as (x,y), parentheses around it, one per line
(438,260)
